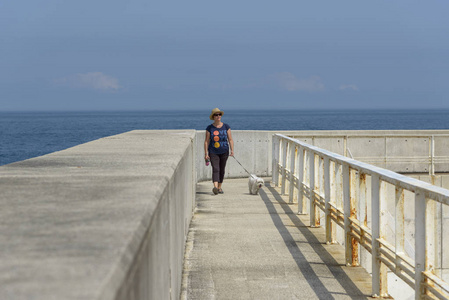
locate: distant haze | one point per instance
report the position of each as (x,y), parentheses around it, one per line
(145,55)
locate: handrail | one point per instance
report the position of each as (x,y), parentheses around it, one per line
(338,186)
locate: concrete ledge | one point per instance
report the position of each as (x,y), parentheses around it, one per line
(104,220)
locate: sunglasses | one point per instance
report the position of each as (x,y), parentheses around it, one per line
(216,115)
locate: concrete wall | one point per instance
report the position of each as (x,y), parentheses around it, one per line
(402,151)
(252,150)
(103,220)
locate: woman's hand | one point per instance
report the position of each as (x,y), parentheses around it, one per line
(206,157)
(231,141)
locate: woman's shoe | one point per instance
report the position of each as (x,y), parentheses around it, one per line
(215,191)
(220,191)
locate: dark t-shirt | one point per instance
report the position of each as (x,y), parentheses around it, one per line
(218,143)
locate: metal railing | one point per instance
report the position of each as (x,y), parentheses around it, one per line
(339,187)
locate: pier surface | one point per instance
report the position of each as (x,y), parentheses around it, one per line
(243,246)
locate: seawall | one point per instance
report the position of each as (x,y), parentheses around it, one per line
(103,220)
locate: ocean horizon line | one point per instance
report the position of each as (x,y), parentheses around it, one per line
(230,110)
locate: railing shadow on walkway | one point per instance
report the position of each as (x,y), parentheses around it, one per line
(305,266)
(243,246)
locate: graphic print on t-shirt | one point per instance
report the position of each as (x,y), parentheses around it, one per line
(216,139)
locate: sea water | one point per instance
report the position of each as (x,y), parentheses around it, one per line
(25,135)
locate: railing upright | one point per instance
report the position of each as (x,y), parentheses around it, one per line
(311,162)
(275,160)
(308,194)
(426,257)
(321,188)
(399,223)
(284,147)
(330,236)
(362,209)
(301,194)
(353,251)
(292,173)
(383,228)
(432,156)
(295,178)
(347,213)
(338,186)
(375,227)
(420,236)
(379,272)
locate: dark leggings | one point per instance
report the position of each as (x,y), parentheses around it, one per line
(218,162)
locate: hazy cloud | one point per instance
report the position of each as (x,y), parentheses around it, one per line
(352,87)
(288,81)
(91,80)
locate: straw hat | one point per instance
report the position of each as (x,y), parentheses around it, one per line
(215,111)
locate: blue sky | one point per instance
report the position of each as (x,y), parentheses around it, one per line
(143,55)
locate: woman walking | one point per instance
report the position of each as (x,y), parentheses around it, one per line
(216,148)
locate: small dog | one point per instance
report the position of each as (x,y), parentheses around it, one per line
(254,184)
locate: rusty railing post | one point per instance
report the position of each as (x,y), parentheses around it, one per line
(354,179)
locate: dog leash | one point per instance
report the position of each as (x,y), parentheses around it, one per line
(242,166)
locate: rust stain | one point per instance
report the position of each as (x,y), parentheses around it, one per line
(355,252)
(353,212)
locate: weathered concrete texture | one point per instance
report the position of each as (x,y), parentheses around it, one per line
(243,246)
(252,149)
(403,151)
(103,220)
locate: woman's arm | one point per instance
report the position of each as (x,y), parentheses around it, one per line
(206,145)
(231,141)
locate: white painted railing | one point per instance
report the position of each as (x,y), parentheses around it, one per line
(339,187)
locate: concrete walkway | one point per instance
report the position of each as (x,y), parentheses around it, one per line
(243,246)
